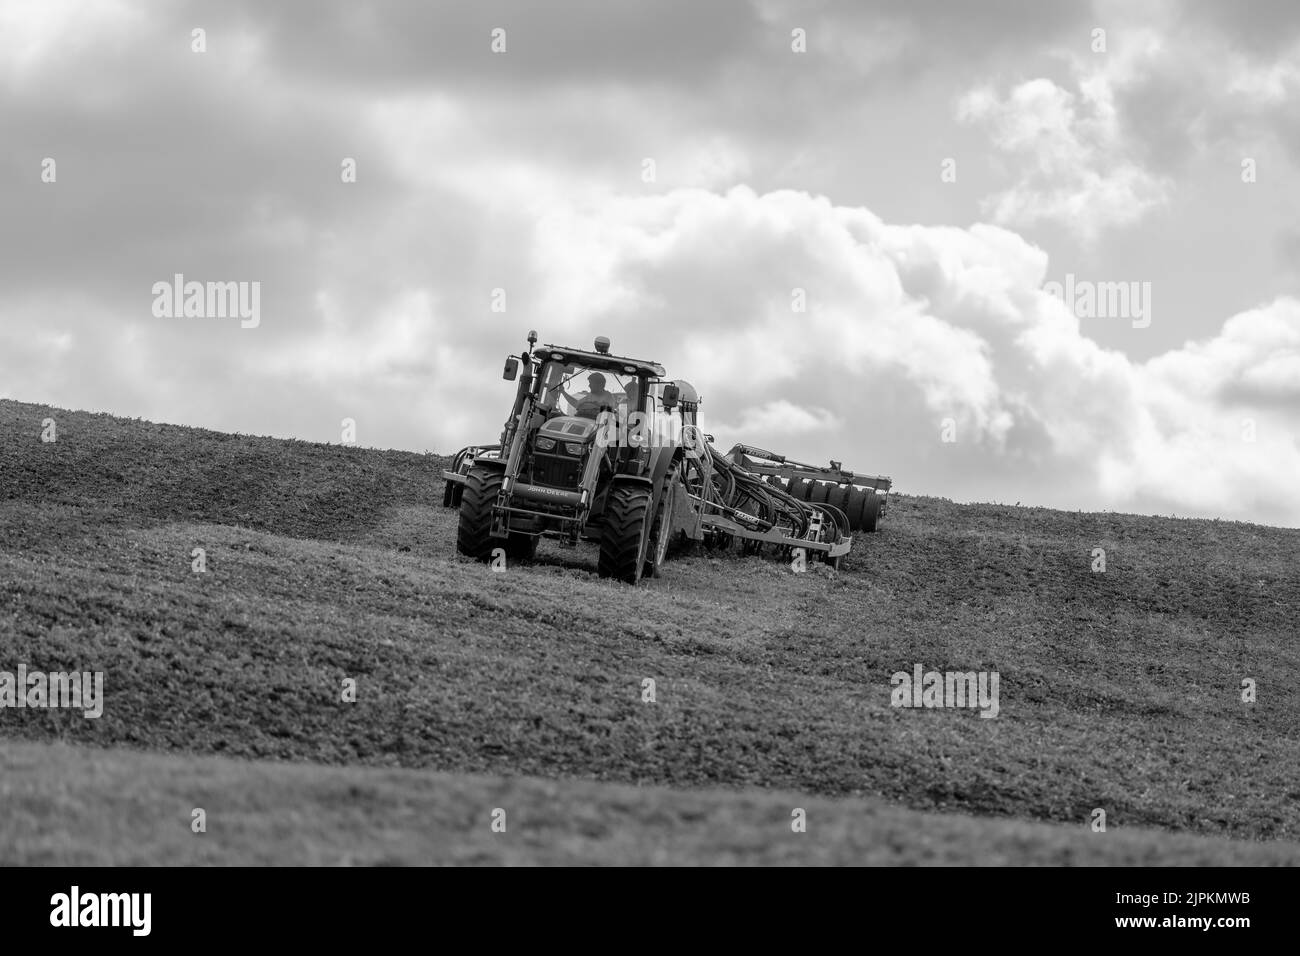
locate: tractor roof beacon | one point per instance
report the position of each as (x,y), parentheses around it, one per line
(627,466)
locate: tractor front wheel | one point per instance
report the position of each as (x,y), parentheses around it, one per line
(626,536)
(474,535)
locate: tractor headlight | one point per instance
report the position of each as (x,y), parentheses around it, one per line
(575,448)
(545,444)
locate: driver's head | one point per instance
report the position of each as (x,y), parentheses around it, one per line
(596,382)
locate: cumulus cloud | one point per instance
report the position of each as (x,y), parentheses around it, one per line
(1217,432)
(1083,153)
(1072,167)
(907,326)
(808,323)
(783,419)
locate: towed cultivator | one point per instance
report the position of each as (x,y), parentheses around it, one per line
(628,467)
(735,504)
(862,498)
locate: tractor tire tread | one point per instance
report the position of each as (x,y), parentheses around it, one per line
(474,532)
(625,538)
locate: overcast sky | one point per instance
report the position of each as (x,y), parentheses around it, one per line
(922,171)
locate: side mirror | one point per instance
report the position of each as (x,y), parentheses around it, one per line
(671,395)
(512,369)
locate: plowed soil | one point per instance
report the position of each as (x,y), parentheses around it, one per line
(1119,690)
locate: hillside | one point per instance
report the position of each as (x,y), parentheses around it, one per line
(1119,690)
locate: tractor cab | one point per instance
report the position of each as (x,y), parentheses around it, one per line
(585,384)
(591,402)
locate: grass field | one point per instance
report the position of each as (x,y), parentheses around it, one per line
(523,690)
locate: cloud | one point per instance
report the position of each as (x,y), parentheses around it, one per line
(782,418)
(1072,165)
(813,325)
(1168,88)
(907,326)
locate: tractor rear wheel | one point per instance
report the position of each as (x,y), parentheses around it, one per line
(799,488)
(626,536)
(819,492)
(662,532)
(474,535)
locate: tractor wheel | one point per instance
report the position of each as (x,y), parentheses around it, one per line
(819,492)
(623,543)
(661,534)
(799,488)
(474,536)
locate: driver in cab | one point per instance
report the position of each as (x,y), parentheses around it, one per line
(597,397)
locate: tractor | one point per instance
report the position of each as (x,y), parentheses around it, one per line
(602,465)
(629,467)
